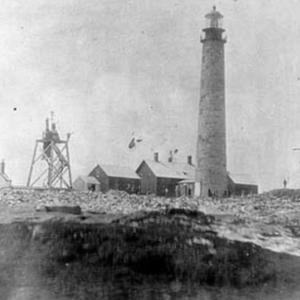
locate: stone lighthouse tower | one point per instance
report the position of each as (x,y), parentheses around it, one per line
(211,174)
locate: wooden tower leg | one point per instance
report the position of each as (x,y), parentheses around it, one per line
(50,171)
(69,166)
(32,163)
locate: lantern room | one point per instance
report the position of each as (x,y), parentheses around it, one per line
(214,19)
(213,30)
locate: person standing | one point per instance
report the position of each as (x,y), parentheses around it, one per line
(284,183)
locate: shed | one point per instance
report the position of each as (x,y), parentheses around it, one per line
(238,185)
(241,184)
(86,183)
(186,187)
(113,177)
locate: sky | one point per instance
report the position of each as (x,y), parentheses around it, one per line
(111,70)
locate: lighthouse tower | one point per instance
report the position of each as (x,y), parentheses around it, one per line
(211,175)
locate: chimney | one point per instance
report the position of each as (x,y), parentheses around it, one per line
(3,167)
(189,160)
(170,159)
(156,156)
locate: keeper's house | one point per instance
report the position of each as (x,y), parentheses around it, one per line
(161,178)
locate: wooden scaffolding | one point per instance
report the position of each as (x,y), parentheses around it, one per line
(56,172)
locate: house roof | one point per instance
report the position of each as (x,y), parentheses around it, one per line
(89,179)
(119,171)
(164,170)
(239,178)
(189,171)
(236,178)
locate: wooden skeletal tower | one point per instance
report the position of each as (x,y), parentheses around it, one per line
(50,164)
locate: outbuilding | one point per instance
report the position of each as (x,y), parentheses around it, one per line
(241,185)
(86,183)
(237,185)
(186,187)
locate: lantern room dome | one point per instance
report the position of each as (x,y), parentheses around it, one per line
(214,19)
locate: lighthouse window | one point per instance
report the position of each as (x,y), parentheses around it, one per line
(214,23)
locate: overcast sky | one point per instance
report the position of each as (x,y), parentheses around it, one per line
(110,68)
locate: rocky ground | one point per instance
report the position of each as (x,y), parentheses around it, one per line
(269,219)
(275,207)
(237,248)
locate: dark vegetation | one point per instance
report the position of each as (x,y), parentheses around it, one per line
(138,253)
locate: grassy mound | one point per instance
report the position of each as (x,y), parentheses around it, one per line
(135,257)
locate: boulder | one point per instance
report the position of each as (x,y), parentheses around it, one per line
(63,208)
